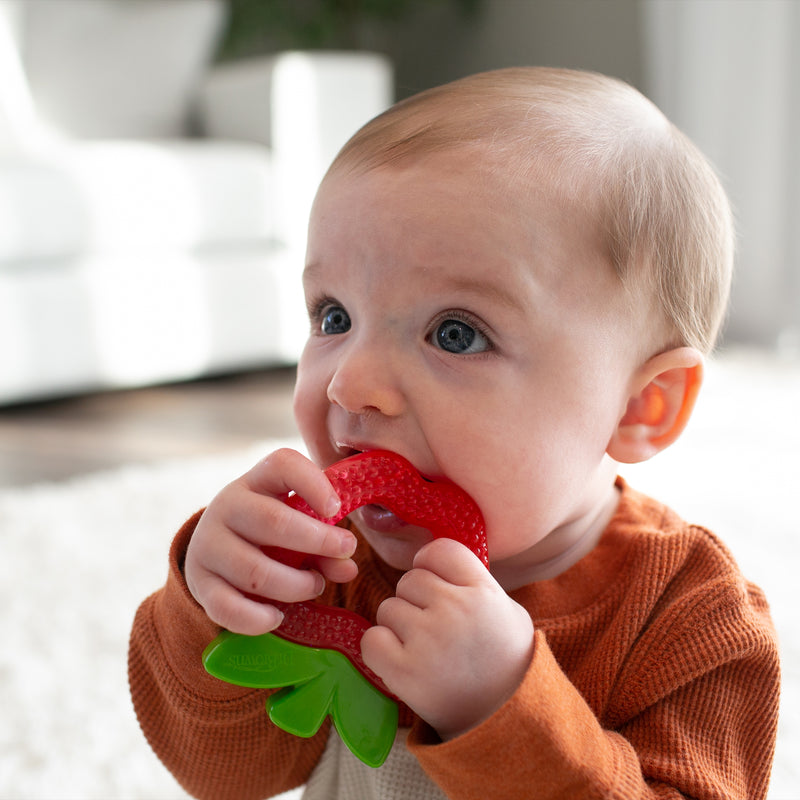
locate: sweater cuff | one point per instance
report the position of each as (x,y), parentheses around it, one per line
(546,731)
(183,627)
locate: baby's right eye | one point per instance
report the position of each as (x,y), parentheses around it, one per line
(333,320)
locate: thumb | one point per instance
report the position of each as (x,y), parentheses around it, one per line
(451,561)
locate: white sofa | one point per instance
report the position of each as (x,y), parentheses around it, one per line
(130,252)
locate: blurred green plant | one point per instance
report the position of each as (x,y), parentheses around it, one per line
(261,26)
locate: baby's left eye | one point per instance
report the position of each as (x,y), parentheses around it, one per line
(456,336)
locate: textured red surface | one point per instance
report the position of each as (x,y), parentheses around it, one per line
(389,480)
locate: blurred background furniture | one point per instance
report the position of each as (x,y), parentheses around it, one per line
(124,246)
(152,205)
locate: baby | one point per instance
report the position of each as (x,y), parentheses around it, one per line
(512,281)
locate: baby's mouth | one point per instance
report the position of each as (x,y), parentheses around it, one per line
(380,519)
(374,516)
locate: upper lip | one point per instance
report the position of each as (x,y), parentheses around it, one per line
(350,447)
(347,447)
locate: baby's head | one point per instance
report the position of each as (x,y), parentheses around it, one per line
(664,217)
(511,281)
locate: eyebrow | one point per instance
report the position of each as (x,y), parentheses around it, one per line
(311,270)
(472,286)
(484,289)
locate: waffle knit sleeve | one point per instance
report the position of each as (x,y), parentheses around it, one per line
(547,743)
(215,738)
(665,687)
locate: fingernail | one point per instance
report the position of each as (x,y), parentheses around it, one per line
(319,584)
(332,507)
(279,618)
(349,545)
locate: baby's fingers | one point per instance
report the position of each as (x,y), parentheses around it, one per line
(267,522)
(287,470)
(256,516)
(337,570)
(452,562)
(230,609)
(248,569)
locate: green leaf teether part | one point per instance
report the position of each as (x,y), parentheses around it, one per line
(314,683)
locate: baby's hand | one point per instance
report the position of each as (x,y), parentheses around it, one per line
(451,643)
(224,561)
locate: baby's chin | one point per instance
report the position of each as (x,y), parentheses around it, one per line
(395,541)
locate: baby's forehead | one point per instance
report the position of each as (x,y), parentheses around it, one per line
(503,180)
(520,118)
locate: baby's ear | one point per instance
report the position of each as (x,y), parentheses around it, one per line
(662,396)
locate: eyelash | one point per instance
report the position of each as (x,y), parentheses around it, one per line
(467,319)
(317,309)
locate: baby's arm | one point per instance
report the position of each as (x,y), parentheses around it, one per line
(691,711)
(215,737)
(225,565)
(702,741)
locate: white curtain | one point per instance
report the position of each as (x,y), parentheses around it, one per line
(728,73)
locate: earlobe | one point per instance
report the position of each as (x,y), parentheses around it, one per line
(661,400)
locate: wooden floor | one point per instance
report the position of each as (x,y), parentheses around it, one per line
(61,439)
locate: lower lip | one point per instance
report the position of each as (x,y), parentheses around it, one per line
(381,520)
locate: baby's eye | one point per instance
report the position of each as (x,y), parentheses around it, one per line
(334,319)
(456,336)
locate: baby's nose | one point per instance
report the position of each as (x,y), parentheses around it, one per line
(367,378)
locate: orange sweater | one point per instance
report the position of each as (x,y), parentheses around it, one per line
(655,675)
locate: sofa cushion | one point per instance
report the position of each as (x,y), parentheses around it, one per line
(110,321)
(123,196)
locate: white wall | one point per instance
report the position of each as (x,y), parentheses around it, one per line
(728,73)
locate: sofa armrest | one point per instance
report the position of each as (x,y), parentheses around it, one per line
(259,99)
(303,105)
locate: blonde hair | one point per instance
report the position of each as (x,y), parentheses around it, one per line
(663,212)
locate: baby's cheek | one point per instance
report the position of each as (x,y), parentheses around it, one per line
(508,534)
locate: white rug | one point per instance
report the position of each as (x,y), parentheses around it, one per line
(77,558)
